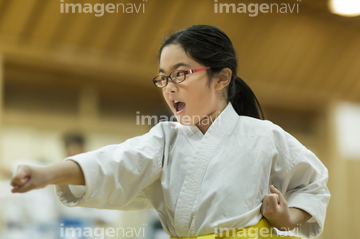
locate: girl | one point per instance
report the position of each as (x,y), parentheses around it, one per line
(220,167)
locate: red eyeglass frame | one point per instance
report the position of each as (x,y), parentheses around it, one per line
(185,73)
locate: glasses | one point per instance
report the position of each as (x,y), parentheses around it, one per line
(177,76)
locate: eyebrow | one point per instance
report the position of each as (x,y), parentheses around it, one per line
(175,66)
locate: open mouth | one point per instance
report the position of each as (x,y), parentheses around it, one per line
(179,106)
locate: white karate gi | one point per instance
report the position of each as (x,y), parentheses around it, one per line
(199,182)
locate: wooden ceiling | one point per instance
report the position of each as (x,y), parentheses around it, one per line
(296,60)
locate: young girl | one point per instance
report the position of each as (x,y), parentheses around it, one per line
(220,167)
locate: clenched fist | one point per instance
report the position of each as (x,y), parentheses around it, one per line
(275,209)
(28,177)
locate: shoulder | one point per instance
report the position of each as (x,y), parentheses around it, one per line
(255,127)
(156,136)
(266,131)
(167,129)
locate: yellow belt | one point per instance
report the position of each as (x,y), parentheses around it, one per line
(258,231)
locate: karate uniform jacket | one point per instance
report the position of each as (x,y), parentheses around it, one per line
(199,183)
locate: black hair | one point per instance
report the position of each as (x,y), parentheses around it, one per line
(74,138)
(211,47)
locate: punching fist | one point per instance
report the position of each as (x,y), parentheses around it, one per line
(28,177)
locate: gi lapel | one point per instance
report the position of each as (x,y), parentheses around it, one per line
(184,220)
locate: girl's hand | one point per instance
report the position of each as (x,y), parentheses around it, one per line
(28,177)
(275,209)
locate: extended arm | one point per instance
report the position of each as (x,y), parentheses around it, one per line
(28,177)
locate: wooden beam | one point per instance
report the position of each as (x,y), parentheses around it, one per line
(98,29)
(77,60)
(126,125)
(338,214)
(1,86)
(278,96)
(133,40)
(47,23)
(114,30)
(33,20)
(52,80)
(171,14)
(1,103)
(77,25)
(4,5)
(16,16)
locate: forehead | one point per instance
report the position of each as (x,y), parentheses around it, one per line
(172,55)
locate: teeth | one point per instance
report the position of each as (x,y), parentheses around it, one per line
(176,101)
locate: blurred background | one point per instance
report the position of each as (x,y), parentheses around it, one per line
(89,77)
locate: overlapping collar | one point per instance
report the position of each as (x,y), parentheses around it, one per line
(223,123)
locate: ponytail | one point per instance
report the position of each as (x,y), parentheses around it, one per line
(243,99)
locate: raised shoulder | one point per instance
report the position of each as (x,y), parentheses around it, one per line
(255,127)
(268,133)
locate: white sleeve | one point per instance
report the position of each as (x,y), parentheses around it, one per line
(302,179)
(77,190)
(116,176)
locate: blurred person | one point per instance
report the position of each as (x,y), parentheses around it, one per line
(5,173)
(220,167)
(82,217)
(74,144)
(32,216)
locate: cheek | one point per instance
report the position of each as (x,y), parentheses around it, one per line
(165,97)
(200,99)
(202,93)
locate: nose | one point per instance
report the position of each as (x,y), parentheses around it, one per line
(171,87)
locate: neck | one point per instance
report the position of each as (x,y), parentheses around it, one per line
(205,123)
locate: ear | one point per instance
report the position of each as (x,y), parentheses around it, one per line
(223,79)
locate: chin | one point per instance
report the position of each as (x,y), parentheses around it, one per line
(186,120)
(185,123)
